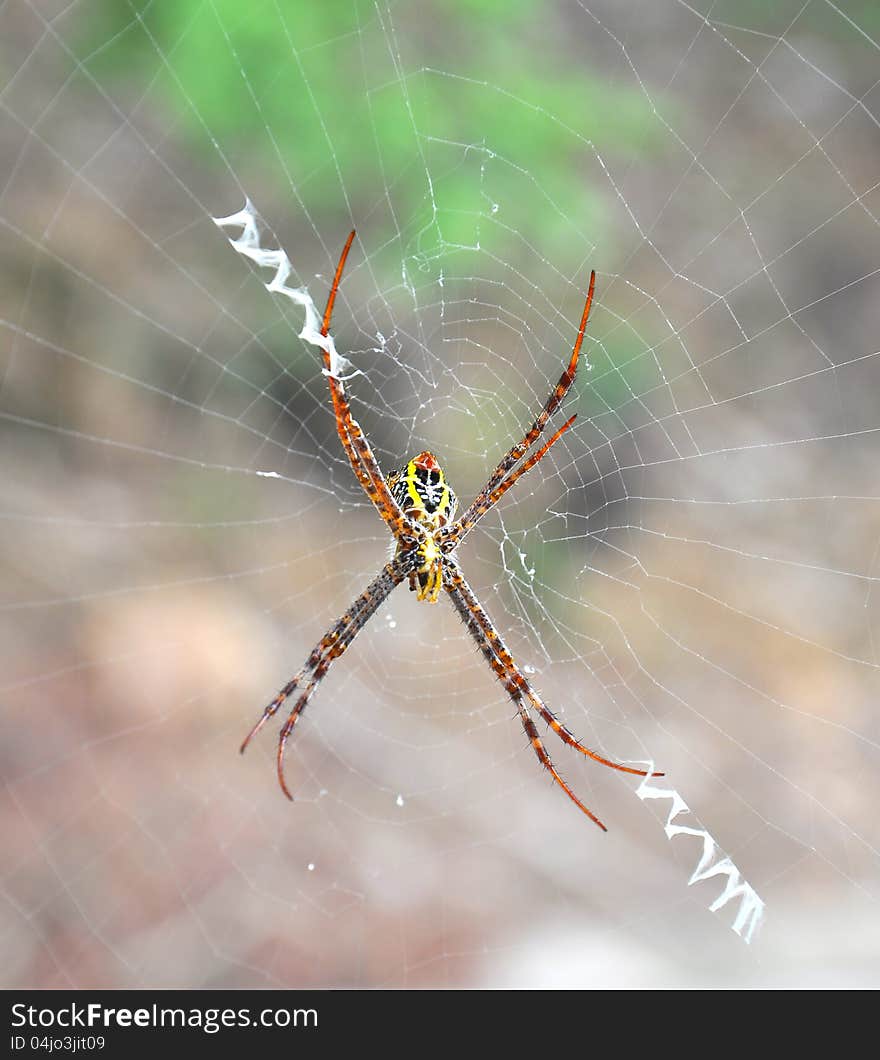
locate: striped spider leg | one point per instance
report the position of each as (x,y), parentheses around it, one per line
(373,483)
(357,449)
(506,471)
(495,651)
(468,606)
(330,647)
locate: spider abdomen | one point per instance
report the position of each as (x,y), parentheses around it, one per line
(423,493)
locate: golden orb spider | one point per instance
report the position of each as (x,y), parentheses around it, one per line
(417,505)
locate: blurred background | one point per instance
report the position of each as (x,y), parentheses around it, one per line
(690,577)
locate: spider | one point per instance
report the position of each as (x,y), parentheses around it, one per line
(418,504)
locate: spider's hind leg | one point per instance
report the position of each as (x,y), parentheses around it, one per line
(517,685)
(273,706)
(330,647)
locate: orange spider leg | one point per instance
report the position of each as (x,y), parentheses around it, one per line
(514,689)
(338,631)
(517,685)
(505,485)
(355,444)
(330,647)
(483,502)
(547,762)
(492,635)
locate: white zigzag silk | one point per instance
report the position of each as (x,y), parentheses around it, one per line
(713,862)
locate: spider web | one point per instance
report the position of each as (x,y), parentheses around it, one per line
(689,577)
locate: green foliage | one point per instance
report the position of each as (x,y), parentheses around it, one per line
(339,101)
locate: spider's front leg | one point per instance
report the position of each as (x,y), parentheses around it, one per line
(507,472)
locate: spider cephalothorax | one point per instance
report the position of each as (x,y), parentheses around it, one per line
(418,505)
(426,499)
